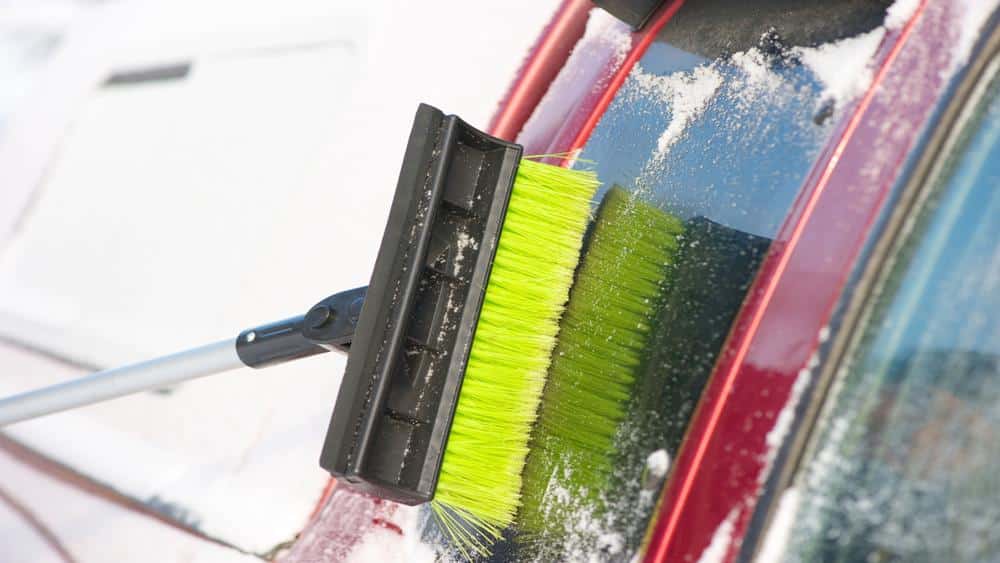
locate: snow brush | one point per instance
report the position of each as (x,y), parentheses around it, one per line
(448,346)
(597,366)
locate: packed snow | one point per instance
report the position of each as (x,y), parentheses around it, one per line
(973,15)
(783,423)
(723,536)
(773,548)
(608,29)
(658,463)
(384,543)
(844,67)
(900,12)
(687,93)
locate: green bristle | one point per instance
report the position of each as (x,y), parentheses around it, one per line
(479,487)
(604,332)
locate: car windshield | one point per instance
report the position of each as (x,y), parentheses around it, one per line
(903,465)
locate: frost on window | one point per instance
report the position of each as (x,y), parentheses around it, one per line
(905,464)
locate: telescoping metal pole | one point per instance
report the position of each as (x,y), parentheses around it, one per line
(113,383)
(329,325)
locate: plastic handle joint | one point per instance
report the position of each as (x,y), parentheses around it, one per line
(329,325)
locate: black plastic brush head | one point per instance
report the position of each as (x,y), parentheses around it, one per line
(409,351)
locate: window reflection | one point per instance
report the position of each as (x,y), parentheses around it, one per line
(904,464)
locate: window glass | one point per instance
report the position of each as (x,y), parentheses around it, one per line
(905,462)
(701,153)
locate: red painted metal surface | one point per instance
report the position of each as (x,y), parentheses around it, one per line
(346,517)
(723,461)
(540,68)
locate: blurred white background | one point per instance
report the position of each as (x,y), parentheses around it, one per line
(139,219)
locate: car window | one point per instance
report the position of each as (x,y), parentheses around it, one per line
(702,153)
(903,463)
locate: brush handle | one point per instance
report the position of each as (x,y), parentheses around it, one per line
(329,325)
(112,383)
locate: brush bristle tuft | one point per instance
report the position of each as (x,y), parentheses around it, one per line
(613,306)
(479,487)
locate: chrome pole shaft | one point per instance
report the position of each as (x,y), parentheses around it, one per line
(112,383)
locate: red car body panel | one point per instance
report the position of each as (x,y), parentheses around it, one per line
(344,519)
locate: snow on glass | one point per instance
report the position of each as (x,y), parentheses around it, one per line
(903,463)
